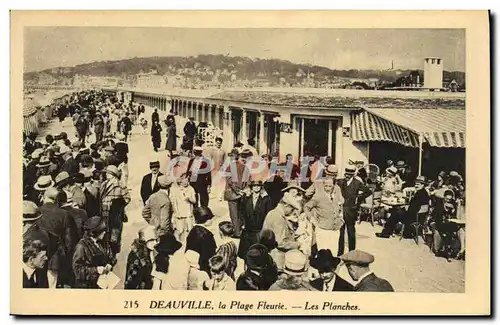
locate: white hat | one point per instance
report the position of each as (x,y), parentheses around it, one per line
(193,258)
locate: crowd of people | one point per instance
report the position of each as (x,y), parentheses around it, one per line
(289,233)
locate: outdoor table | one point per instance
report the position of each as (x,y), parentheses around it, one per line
(394,203)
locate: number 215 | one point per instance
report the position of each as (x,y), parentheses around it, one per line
(131,304)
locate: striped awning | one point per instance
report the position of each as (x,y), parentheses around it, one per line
(439,127)
(30,106)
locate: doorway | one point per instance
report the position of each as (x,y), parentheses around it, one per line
(319,137)
(236,117)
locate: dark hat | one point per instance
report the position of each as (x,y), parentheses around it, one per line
(84,151)
(30,211)
(257,257)
(324,261)
(421,179)
(256,183)
(94,224)
(268,239)
(357,257)
(63,135)
(400,164)
(154,164)
(121,147)
(168,244)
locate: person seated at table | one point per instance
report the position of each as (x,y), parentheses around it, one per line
(445,225)
(409,214)
(391,183)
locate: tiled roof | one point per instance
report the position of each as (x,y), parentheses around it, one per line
(339,99)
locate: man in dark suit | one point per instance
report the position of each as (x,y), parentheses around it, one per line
(34,260)
(357,263)
(421,197)
(200,176)
(353,192)
(150,181)
(326,265)
(58,221)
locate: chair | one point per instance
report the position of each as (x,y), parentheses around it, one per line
(420,224)
(371,206)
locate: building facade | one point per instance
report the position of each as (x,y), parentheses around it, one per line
(296,123)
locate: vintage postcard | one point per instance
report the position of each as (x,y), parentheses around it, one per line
(231,157)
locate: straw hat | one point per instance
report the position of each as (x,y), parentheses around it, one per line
(43,183)
(295,262)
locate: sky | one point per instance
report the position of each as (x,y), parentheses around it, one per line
(49,47)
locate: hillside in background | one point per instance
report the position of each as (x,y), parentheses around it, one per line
(205,67)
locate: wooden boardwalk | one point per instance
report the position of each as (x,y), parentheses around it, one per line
(408,267)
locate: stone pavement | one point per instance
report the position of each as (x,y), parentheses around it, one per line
(408,267)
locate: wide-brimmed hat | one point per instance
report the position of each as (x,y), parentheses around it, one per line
(197,149)
(30,211)
(62,178)
(168,244)
(95,224)
(113,170)
(44,162)
(293,184)
(400,164)
(324,261)
(295,262)
(43,183)
(256,257)
(331,170)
